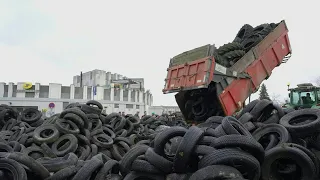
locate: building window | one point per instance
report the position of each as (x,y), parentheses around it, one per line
(90,75)
(129,106)
(116,105)
(137,106)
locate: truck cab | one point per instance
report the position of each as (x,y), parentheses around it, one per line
(305,95)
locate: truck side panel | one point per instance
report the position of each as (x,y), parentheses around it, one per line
(268,57)
(190,75)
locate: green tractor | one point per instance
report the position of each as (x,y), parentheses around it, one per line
(305,95)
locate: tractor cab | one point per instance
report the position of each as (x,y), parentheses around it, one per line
(304,96)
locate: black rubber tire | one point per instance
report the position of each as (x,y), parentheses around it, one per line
(48,151)
(187,145)
(90,109)
(220,60)
(245,143)
(248,164)
(175,176)
(243,33)
(83,152)
(260,107)
(250,126)
(102,140)
(144,166)
(35,152)
(246,117)
(74,118)
(279,109)
(95,103)
(263,30)
(67,127)
(73,105)
(280,131)
(251,41)
(202,150)
(34,113)
(130,156)
(163,137)
(141,176)
(5,147)
(65,173)
(88,168)
(135,120)
(59,163)
(158,161)
(232,126)
(108,132)
(110,165)
(119,149)
(273,119)
(308,170)
(216,172)
(312,156)
(77,112)
(15,146)
(248,107)
(226,48)
(13,168)
(30,163)
(118,124)
(302,115)
(50,138)
(71,147)
(234,56)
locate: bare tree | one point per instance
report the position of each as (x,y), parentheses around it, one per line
(276,98)
(317,81)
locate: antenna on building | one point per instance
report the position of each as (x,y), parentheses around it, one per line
(81,79)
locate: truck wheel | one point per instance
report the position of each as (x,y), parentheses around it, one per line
(243,33)
(229,47)
(234,56)
(263,30)
(221,60)
(251,41)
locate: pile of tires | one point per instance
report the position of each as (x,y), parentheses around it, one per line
(246,38)
(263,142)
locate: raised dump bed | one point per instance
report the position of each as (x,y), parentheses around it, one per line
(200,78)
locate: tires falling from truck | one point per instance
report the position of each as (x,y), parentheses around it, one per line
(217,81)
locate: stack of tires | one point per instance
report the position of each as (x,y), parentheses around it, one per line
(246,38)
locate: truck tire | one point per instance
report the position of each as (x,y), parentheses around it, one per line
(263,30)
(234,56)
(229,47)
(220,60)
(251,41)
(243,33)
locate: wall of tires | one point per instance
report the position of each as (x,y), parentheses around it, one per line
(264,142)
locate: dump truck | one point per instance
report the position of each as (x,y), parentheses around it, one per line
(217,81)
(305,95)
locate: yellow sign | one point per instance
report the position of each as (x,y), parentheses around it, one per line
(27,85)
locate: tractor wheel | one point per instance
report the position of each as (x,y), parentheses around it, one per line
(243,33)
(229,47)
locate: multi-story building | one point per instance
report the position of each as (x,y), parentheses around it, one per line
(53,98)
(107,79)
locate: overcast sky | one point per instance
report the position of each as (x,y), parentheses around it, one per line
(51,41)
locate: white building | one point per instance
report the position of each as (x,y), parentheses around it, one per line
(107,79)
(126,100)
